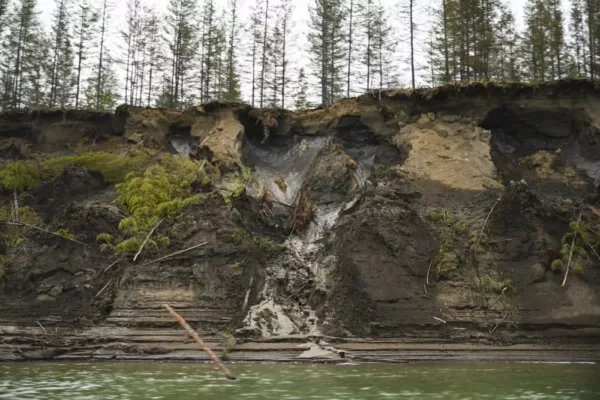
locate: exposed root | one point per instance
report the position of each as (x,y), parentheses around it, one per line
(303,212)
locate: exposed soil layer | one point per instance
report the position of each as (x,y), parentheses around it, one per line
(425,221)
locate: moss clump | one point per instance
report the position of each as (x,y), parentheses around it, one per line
(492,286)
(4,263)
(526,160)
(446,262)
(65,233)
(160,192)
(281,184)
(105,238)
(267,244)
(241,236)
(22,175)
(228,344)
(236,183)
(570,172)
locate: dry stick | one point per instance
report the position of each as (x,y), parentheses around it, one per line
(429,269)
(16,206)
(591,248)
(44,230)
(103,289)
(485,223)
(176,253)
(147,238)
(41,326)
(195,336)
(113,264)
(570,255)
(501,294)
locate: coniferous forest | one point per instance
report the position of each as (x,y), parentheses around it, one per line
(195,51)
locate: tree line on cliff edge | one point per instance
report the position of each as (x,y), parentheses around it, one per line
(197,51)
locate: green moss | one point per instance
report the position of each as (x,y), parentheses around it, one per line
(19,175)
(162,191)
(570,172)
(303,145)
(65,233)
(442,216)
(23,175)
(267,244)
(105,238)
(461,227)
(526,160)
(4,263)
(281,184)
(580,245)
(241,236)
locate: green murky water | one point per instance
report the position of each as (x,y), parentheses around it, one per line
(192,381)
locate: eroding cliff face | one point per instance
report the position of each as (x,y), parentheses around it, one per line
(434,214)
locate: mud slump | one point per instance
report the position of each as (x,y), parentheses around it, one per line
(326,175)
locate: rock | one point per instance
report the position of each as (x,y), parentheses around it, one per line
(56,291)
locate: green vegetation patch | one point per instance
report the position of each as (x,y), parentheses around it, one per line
(241,236)
(23,175)
(160,192)
(580,245)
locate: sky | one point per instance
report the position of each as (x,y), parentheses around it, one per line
(301,16)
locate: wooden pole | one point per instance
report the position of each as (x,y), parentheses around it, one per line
(195,336)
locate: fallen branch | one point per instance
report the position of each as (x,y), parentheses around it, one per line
(15,212)
(41,326)
(439,319)
(498,324)
(176,253)
(103,289)
(44,230)
(501,294)
(113,264)
(429,269)
(195,336)
(570,255)
(485,223)
(147,238)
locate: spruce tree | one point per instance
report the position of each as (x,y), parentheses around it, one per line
(285,11)
(18,51)
(579,40)
(3,15)
(153,54)
(265,48)
(100,68)
(254,48)
(182,45)
(61,69)
(352,38)
(85,19)
(233,81)
(300,97)
(543,40)
(327,50)
(102,95)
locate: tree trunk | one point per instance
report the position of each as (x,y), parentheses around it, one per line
(264,55)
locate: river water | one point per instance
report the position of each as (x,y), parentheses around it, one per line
(104,381)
